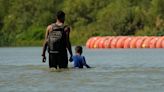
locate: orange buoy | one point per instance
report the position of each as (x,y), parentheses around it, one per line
(153,42)
(96,44)
(94,39)
(127,42)
(120,42)
(114,42)
(159,42)
(139,42)
(88,42)
(102,42)
(133,42)
(107,43)
(162,43)
(146,42)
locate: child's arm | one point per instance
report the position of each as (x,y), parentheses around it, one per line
(84,63)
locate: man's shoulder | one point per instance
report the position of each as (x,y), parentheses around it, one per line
(66,28)
(49,27)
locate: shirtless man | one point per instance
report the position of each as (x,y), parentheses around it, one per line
(57,41)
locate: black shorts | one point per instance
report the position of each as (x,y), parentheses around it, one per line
(58,60)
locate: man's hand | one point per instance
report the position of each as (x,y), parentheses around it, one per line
(43,58)
(70,59)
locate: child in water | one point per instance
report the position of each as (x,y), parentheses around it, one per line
(78,59)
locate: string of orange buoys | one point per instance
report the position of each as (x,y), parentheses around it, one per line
(126,42)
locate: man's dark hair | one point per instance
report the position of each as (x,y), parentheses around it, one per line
(78,49)
(60,15)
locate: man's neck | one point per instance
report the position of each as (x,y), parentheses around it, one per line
(59,23)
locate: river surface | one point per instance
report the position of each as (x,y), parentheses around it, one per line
(114,70)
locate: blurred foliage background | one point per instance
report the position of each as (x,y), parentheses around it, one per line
(23,22)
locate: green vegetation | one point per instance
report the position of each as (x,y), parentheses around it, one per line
(23,22)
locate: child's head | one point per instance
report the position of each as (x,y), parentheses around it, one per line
(79,49)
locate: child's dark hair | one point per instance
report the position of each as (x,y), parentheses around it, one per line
(60,15)
(79,49)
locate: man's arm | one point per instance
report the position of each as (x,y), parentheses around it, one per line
(45,44)
(68,43)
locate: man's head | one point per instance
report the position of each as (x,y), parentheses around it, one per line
(60,16)
(79,49)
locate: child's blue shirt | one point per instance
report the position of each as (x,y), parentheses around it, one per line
(79,61)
